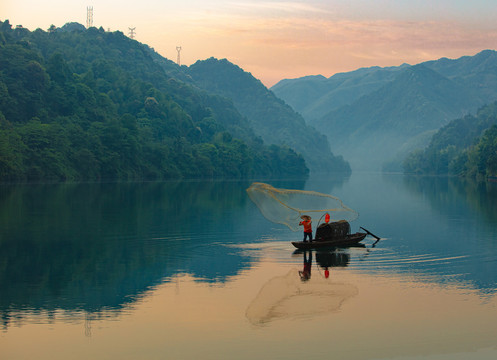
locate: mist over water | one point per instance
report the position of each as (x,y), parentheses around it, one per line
(108,261)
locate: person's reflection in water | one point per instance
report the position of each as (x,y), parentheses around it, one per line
(305,274)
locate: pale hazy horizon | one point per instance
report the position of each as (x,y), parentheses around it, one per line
(277,40)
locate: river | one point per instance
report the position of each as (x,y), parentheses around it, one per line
(192,270)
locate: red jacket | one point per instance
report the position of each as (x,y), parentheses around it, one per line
(307,225)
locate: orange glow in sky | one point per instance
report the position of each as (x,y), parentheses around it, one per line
(276,39)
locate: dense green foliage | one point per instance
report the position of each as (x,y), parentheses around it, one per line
(466,146)
(270,117)
(80,104)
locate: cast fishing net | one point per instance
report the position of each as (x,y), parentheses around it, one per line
(286,206)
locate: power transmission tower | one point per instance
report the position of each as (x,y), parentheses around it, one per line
(131,33)
(178,60)
(89,17)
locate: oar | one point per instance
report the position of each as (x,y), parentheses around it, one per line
(370,233)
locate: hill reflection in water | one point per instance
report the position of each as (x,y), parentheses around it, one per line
(97,249)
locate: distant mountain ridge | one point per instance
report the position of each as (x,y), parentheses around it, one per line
(377,115)
(314,96)
(270,117)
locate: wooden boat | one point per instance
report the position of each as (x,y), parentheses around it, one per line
(334,234)
(347,241)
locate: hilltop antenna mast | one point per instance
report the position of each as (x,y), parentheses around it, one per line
(131,33)
(89,17)
(178,60)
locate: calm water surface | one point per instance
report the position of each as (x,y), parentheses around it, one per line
(192,270)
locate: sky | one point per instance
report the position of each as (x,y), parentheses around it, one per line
(283,39)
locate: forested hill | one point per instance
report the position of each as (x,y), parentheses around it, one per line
(270,117)
(375,116)
(464,147)
(79,104)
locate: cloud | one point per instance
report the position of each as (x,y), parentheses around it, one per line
(273,48)
(297,32)
(283,7)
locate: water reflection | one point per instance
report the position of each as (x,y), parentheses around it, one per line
(299,294)
(325,259)
(432,226)
(97,248)
(329,259)
(449,193)
(93,251)
(305,274)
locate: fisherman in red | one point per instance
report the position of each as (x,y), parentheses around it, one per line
(307,224)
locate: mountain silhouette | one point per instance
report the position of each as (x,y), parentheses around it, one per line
(391,111)
(270,117)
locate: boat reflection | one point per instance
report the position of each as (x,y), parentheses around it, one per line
(300,295)
(325,259)
(329,259)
